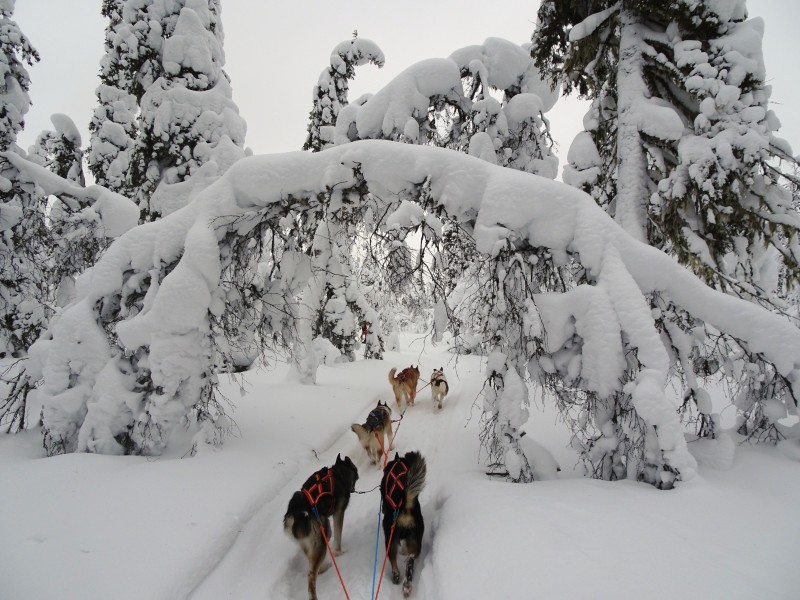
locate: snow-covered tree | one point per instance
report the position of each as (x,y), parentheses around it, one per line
(23,244)
(600,336)
(680,148)
(60,150)
(680,116)
(331,90)
(113,126)
(188,118)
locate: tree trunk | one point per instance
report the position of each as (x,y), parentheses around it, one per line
(632,192)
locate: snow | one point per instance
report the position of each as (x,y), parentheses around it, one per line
(66,127)
(117,213)
(209,527)
(506,65)
(590,24)
(504,204)
(407,95)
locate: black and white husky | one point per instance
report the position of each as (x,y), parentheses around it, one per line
(328,491)
(402,483)
(439,387)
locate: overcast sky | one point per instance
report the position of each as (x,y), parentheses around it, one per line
(276,50)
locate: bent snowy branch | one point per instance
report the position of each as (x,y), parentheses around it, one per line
(503,210)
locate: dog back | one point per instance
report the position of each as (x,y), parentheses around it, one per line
(403,480)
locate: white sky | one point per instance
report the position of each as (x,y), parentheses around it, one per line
(276,50)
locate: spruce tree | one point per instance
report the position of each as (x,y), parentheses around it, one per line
(680,148)
(187,114)
(24,243)
(331,90)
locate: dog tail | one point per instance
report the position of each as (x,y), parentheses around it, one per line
(297,521)
(417,470)
(391,375)
(360,431)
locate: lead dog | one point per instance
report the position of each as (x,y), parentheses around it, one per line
(376,433)
(439,387)
(402,483)
(328,490)
(404,386)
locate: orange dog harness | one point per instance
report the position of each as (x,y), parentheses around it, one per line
(322,486)
(396,484)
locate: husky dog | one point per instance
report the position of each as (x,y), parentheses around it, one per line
(439,387)
(375,434)
(404,386)
(403,480)
(326,493)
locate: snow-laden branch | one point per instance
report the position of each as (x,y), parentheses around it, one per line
(503,207)
(590,24)
(117,213)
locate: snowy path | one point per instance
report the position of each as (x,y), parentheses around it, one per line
(210,527)
(263,563)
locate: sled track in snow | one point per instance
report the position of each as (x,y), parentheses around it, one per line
(266,564)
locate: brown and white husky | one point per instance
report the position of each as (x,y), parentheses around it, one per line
(404,386)
(375,434)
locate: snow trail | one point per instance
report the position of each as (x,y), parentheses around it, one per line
(264,563)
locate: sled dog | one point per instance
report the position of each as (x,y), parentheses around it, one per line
(404,386)
(439,387)
(326,493)
(402,483)
(375,434)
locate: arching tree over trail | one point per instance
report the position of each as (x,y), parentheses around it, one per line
(599,336)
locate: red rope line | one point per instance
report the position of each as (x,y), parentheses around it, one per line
(385,556)
(333,560)
(380,442)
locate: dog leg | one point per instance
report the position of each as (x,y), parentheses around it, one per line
(338,523)
(315,557)
(393,561)
(409,576)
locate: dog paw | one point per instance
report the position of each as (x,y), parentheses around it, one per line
(395,577)
(406,589)
(338,552)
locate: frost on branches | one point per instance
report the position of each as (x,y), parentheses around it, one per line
(188,124)
(330,92)
(23,244)
(680,148)
(100,402)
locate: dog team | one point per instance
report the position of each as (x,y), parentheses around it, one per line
(327,492)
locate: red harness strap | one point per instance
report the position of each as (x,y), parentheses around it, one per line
(322,486)
(396,484)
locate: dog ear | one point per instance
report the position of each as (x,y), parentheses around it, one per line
(338,458)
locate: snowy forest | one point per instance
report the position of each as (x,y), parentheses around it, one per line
(643,286)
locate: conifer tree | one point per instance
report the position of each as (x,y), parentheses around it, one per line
(331,90)
(24,301)
(679,147)
(187,114)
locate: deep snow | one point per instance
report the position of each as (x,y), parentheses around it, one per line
(84,526)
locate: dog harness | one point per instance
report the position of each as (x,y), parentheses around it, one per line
(396,484)
(322,485)
(404,374)
(374,419)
